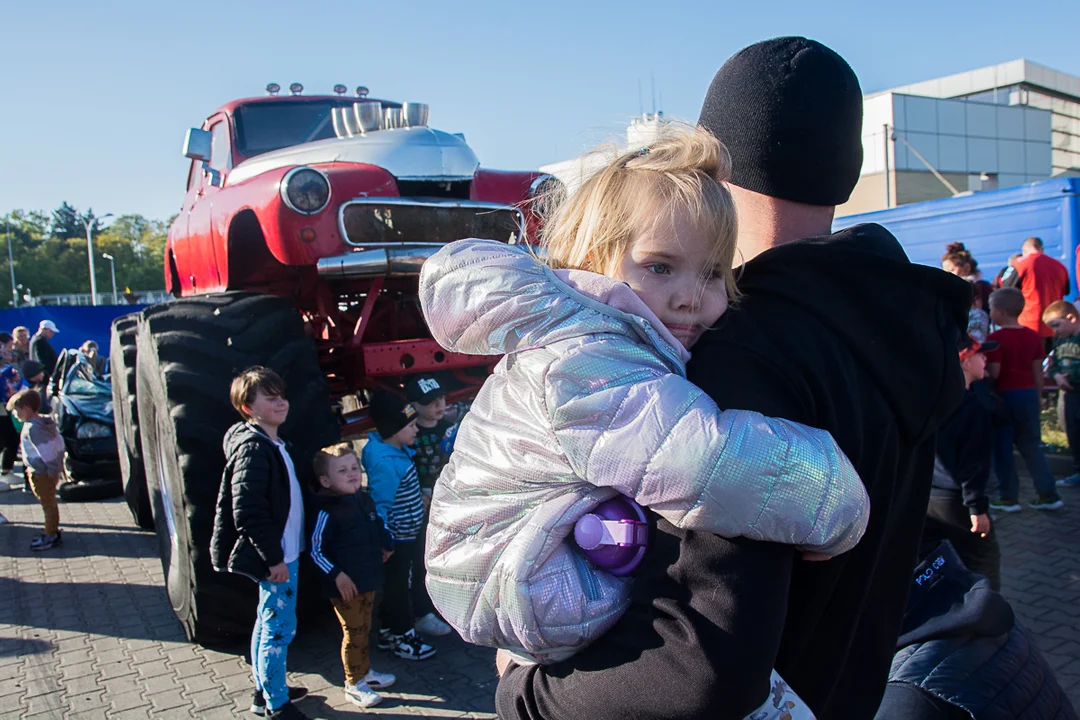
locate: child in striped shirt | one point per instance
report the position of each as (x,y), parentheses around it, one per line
(395,488)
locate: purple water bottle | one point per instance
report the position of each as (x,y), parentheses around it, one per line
(614,535)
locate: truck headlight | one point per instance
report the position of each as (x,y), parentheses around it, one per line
(305,190)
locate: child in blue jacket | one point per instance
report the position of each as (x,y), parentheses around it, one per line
(395,488)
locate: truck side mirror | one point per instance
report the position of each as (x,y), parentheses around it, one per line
(197,144)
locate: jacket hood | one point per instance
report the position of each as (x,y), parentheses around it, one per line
(482,297)
(48,423)
(948,600)
(901,321)
(242,433)
(376,448)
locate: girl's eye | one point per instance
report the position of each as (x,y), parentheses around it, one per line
(658,268)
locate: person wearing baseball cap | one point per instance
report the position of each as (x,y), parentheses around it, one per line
(434,431)
(959,507)
(838,331)
(388,461)
(40,347)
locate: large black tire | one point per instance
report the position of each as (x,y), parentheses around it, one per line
(188,352)
(90,490)
(122,354)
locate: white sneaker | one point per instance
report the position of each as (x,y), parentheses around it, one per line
(362,695)
(378,680)
(430,624)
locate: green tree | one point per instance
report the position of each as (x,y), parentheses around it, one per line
(50,258)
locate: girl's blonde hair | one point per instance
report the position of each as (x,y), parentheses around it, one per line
(683,169)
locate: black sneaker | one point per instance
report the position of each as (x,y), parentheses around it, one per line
(387,640)
(411,647)
(258,701)
(288,711)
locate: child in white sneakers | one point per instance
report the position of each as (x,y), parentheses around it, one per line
(591,402)
(349,544)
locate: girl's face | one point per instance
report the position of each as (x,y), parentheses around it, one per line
(669,267)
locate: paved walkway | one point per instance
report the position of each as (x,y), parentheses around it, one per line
(86,630)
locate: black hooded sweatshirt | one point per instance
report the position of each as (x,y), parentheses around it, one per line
(842,333)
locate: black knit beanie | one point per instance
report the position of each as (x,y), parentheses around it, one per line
(790,112)
(390,413)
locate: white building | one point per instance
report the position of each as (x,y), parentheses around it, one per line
(1000,126)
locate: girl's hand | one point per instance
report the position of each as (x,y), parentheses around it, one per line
(279,573)
(815,557)
(346,587)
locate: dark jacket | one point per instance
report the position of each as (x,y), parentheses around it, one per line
(962,649)
(964,443)
(253,505)
(42,351)
(347,536)
(842,333)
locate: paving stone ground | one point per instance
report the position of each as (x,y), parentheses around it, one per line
(86,630)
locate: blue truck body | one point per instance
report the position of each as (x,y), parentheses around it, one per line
(991,224)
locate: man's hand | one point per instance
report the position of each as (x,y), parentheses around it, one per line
(502,661)
(815,557)
(980,525)
(1062,381)
(386,555)
(346,587)
(279,573)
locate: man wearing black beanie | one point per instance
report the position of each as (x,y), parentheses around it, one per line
(838,331)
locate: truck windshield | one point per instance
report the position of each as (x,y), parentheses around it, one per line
(262,127)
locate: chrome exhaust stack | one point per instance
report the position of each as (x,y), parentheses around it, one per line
(385,262)
(415,114)
(368,116)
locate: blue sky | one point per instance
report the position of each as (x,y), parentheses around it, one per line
(97,96)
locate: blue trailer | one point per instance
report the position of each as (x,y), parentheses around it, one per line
(991,224)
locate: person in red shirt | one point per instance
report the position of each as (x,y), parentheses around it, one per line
(1016,368)
(1043,280)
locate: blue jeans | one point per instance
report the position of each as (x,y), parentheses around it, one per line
(275,627)
(1025,431)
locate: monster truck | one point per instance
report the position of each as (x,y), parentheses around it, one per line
(298,247)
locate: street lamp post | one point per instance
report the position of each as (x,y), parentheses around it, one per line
(11,265)
(112,268)
(89,223)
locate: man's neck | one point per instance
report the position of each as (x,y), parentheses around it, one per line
(767,222)
(270,430)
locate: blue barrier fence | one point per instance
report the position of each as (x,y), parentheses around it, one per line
(77,323)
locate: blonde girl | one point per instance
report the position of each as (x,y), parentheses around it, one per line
(590,402)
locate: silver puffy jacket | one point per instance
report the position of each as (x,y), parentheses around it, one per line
(591,400)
